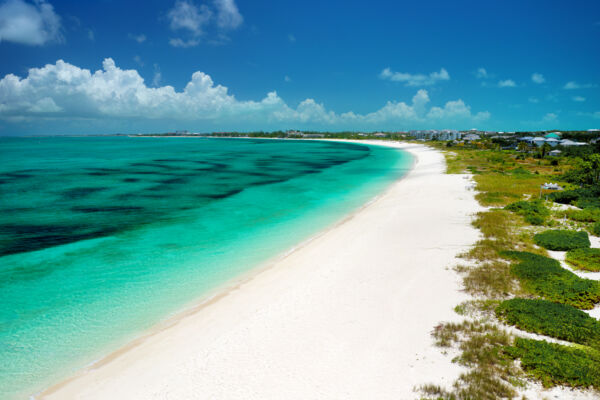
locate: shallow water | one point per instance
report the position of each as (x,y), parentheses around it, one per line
(101,238)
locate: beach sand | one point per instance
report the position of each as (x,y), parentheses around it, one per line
(348,315)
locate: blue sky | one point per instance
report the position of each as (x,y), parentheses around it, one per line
(116,66)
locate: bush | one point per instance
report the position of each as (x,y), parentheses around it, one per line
(545,277)
(591,214)
(562,240)
(596,229)
(559,321)
(582,197)
(555,364)
(535,212)
(586,259)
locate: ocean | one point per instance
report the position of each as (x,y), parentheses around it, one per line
(102,238)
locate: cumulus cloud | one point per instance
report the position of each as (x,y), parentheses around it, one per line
(579,99)
(574,85)
(415,79)
(228,15)
(534,100)
(63,90)
(31,24)
(538,78)
(507,83)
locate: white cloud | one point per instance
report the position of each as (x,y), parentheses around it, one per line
(538,78)
(177,42)
(31,24)
(579,99)
(291,38)
(69,92)
(228,15)
(574,85)
(481,73)
(91,35)
(141,38)
(507,83)
(550,117)
(185,15)
(192,21)
(534,100)
(287,79)
(415,79)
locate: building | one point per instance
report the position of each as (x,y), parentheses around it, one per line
(446,134)
(553,135)
(552,142)
(554,153)
(470,137)
(380,134)
(567,143)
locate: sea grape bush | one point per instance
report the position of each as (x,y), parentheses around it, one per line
(556,320)
(562,240)
(545,277)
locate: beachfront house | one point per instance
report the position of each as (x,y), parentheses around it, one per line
(538,141)
(554,153)
(552,142)
(567,143)
(380,134)
(470,137)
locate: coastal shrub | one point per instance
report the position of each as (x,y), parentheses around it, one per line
(534,212)
(545,277)
(490,279)
(556,320)
(585,197)
(556,364)
(591,214)
(562,240)
(585,259)
(596,229)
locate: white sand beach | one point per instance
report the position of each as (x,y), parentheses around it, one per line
(346,316)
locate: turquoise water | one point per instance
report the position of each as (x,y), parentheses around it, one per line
(101,238)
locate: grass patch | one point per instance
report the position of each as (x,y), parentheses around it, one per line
(545,277)
(493,372)
(585,259)
(596,229)
(559,321)
(491,279)
(534,212)
(562,240)
(555,364)
(586,215)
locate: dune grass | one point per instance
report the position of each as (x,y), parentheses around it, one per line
(584,259)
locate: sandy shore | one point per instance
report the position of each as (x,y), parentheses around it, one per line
(347,316)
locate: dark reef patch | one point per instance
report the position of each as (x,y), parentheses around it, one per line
(81,192)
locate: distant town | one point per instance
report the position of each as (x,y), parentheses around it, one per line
(553,141)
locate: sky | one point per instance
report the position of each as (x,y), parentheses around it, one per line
(83,67)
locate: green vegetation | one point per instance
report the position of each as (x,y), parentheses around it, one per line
(511,179)
(545,277)
(534,212)
(555,364)
(562,240)
(585,259)
(596,229)
(559,321)
(590,214)
(492,374)
(581,197)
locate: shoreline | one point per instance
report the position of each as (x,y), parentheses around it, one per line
(106,373)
